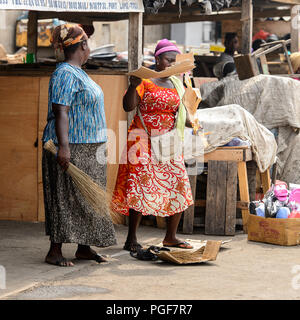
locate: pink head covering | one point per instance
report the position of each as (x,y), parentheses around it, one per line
(165,45)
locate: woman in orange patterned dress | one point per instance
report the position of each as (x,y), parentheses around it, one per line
(144,186)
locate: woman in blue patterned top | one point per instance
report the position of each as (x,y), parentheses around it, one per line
(76,123)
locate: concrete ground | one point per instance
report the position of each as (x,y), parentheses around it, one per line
(243,270)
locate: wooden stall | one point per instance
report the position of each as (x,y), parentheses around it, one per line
(245,13)
(24,106)
(23,93)
(23,114)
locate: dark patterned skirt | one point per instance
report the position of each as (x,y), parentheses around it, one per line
(69,218)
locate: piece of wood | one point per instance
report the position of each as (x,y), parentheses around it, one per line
(265,181)
(295,29)
(228,155)
(43,111)
(246,67)
(18,133)
(220,215)
(135,41)
(135,48)
(264,64)
(167,18)
(32,32)
(231,192)
(247,26)
(220,198)
(210,211)
(188,216)
(251,173)
(244,191)
(239,204)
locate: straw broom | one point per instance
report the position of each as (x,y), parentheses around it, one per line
(96,196)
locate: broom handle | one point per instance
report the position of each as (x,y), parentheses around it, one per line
(50,146)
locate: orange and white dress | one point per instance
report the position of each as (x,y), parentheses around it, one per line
(143,184)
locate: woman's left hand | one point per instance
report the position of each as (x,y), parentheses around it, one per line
(63,157)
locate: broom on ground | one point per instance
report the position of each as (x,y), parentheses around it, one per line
(96,196)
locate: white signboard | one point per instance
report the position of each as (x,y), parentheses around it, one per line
(75,5)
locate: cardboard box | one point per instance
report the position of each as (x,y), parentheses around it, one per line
(284,232)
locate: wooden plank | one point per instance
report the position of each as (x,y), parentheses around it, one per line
(224,155)
(210,211)
(135,40)
(247,26)
(245,66)
(251,172)
(244,191)
(135,48)
(264,64)
(32,32)
(221,198)
(239,204)
(231,191)
(18,133)
(248,155)
(287,1)
(265,181)
(43,111)
(167,18)
(188,216)
(295,29)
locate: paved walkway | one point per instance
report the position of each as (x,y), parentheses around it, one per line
(243,270)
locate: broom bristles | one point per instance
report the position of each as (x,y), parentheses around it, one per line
(94,194)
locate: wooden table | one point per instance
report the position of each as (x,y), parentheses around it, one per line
(226,165)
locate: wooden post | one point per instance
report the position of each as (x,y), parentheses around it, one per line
(135,54)
(188,215)
(295,29)
(247,26)
(135,40)
(135,47)
(244,192)
(32,32)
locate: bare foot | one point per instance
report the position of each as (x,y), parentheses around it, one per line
(86,253)
(58,260)
(132,246)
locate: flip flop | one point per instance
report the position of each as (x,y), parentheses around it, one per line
(181,245)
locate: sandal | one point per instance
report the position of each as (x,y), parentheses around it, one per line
(132,247)
(148,254)
(181,245)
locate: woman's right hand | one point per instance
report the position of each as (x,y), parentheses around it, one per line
(63,157)
(135,81)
